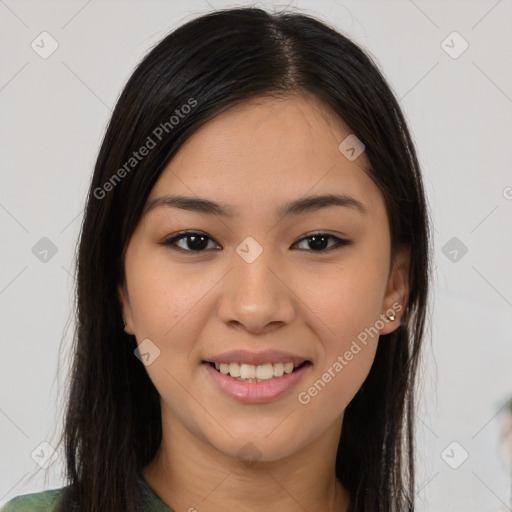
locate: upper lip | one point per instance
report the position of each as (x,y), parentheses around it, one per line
(256,358)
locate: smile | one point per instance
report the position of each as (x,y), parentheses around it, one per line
(255,373)
(253,389)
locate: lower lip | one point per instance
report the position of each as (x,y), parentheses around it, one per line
(257,392)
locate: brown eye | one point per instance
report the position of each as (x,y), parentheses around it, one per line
(193,241)
(318,242)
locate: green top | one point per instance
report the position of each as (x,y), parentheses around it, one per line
(46,501)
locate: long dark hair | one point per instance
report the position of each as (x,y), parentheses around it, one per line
(112,424)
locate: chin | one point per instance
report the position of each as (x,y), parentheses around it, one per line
(251,450)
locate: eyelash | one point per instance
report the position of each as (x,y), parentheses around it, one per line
(171,242)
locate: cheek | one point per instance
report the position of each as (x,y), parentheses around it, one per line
(344,315)
(345,300)
(343,308)
(165,303)
(168,308)
(333,387)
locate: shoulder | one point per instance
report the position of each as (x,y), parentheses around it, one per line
(44,501)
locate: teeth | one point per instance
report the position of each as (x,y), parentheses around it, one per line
(288,367)
(278,369)
(250,372)
(234,369)
(247,371)
(264,371)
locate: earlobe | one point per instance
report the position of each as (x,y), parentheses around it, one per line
(397,292)
(126,309)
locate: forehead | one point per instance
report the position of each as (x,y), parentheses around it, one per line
(266,151)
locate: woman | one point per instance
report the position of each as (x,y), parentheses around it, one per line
(253,276)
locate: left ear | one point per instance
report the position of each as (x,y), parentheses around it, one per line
(397,292)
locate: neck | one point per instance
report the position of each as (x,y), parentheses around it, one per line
(188,473)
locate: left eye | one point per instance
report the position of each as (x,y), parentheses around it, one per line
(198,242)
(318,241)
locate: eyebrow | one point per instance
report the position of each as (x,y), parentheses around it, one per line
(296,207)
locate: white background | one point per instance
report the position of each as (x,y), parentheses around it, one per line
(53,114)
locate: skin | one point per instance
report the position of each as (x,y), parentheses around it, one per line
(255,157)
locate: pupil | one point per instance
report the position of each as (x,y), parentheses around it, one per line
(199,242)
(318,241)
(196,242)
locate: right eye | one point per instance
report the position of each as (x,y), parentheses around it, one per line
(195,241)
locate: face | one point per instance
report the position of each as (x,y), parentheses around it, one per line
(311,282)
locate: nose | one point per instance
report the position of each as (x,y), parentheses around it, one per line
(256,296)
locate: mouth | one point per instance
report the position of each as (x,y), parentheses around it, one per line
(251,384)
(257,373)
